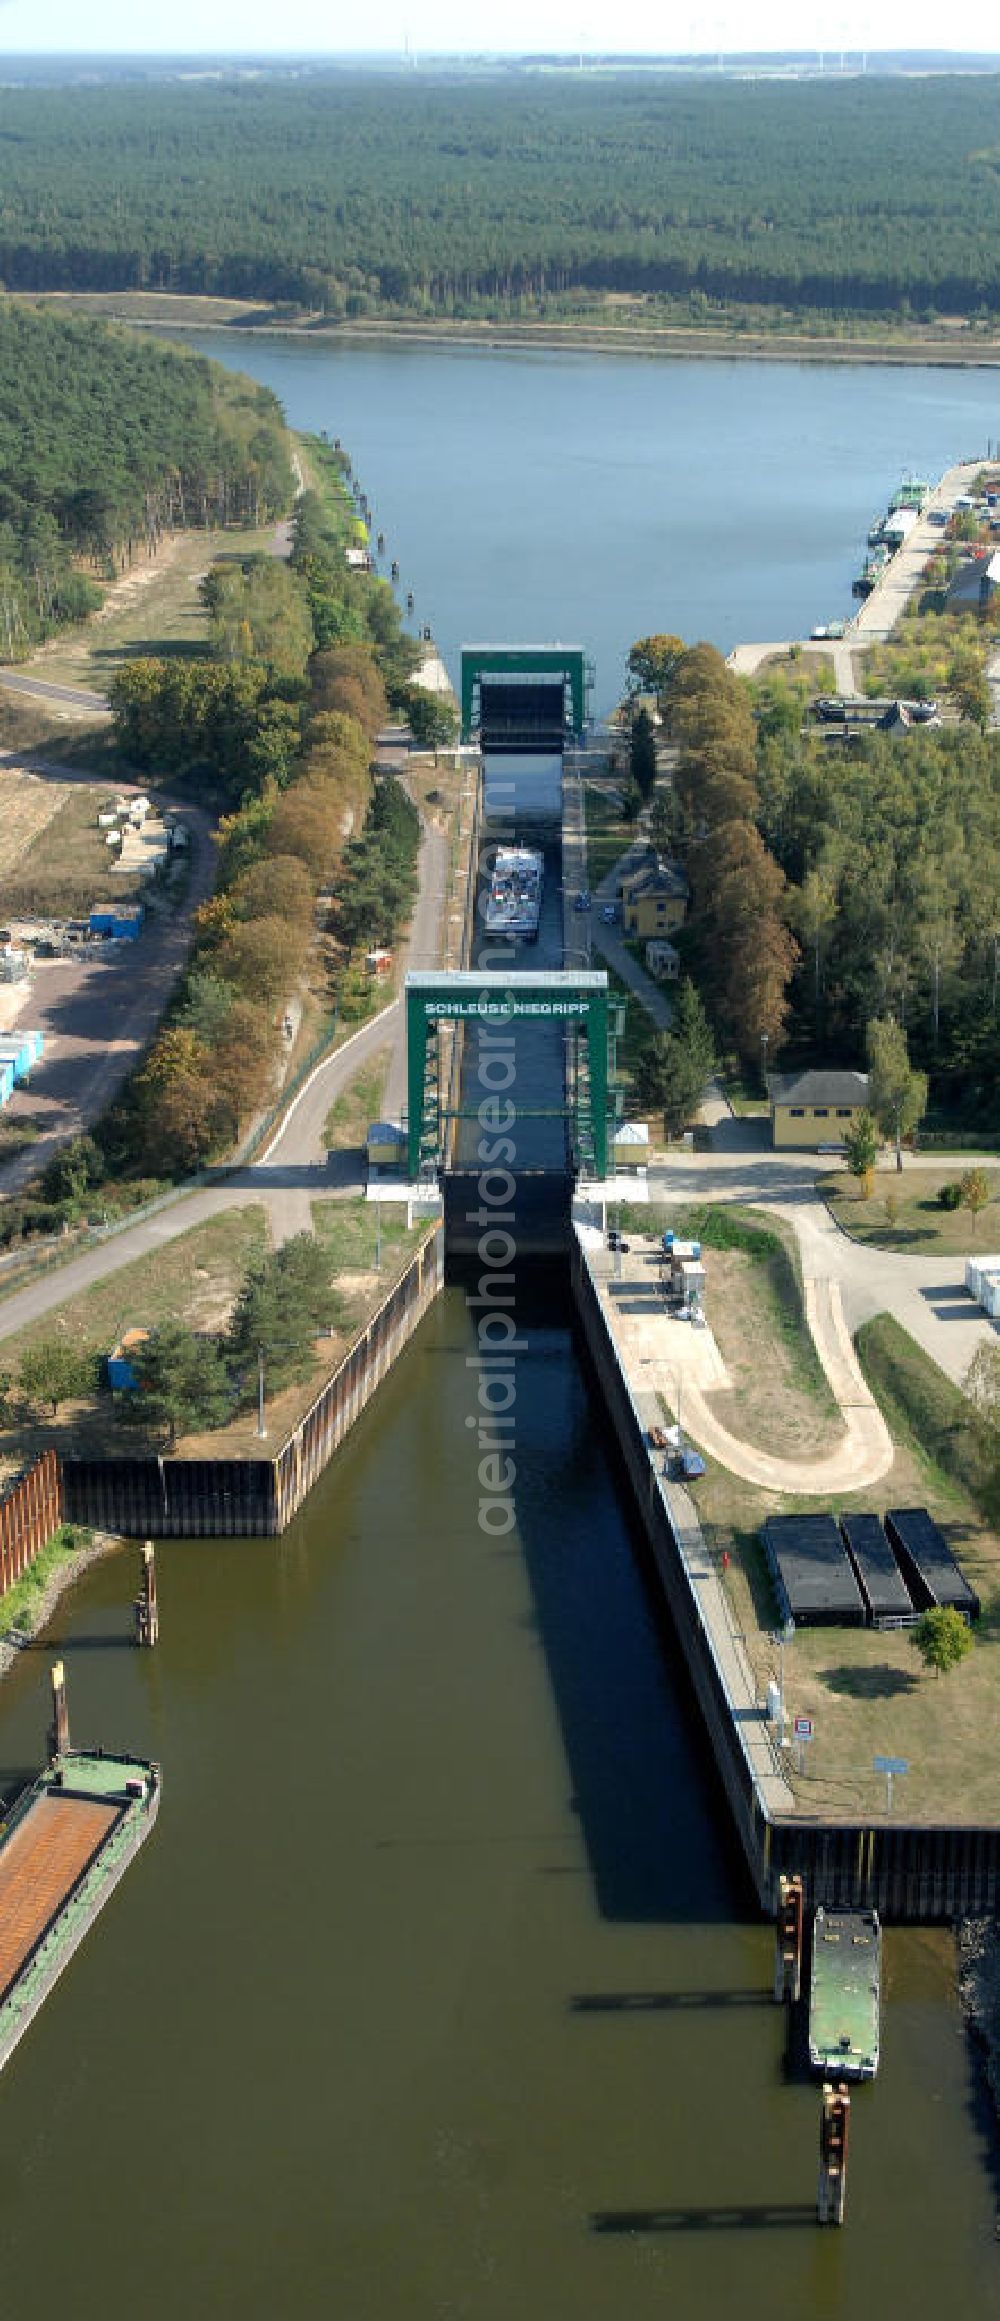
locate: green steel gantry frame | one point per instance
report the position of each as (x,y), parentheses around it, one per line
(566,661)
(576,998)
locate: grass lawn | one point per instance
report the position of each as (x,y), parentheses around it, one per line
(29,724)
(348,1230)
(917,1222)
(609,835)
(805,670)
(19,1607)
(193,1279)
(780,1393)
(348,1118)
(155,608)
(867,1691)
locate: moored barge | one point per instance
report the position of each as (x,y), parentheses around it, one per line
(845,1994)
(64,1844)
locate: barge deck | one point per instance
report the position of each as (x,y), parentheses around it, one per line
(64,1845)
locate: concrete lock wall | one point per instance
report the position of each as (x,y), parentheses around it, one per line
(905,1871)
(163,1498)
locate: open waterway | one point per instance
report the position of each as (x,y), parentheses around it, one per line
(437,1990)
(529,494)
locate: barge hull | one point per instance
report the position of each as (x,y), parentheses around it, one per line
(102,1848)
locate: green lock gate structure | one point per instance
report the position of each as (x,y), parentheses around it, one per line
(575,998)
(558,677)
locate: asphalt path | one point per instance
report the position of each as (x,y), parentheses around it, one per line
(925,1293)
(64,696)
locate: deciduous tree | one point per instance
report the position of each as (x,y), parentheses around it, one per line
(862,1144)
(975,1194)
(53,1372)
(942,1638)
(897,1094)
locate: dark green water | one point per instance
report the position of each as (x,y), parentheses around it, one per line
(434,1992)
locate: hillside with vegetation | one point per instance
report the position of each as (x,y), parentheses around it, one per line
(107,440)
(357,194)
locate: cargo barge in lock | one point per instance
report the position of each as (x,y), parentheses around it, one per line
(845,1994)
(514,903)
(64,1844)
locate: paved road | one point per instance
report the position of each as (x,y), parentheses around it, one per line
(926,1294)
(64,696)
(880,611)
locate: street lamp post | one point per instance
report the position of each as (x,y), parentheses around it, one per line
(763,1060)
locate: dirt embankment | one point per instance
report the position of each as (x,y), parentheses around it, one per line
(155,310)
(100,1544)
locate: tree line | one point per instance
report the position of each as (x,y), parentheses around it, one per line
(739,942)
(834,889)
(277,729)
(107,440)
(362,193)
(891,851)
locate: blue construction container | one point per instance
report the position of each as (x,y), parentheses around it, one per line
(6,1082)
(22,1049)
(124,921)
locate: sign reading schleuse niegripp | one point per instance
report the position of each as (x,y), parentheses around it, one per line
(493,999)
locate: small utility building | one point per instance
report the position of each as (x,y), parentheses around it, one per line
(810,1109)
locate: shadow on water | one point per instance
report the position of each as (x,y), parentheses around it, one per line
(49,1644)
(663,2002)
(652,1814)
(762,2216)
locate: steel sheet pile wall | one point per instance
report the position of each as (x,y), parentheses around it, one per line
(29,1514)
(255,1498)
(903,1871)
(906,1872)
(173,1498)
(354,1382)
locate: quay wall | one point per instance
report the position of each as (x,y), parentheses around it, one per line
(664,1511)
(167,1498)
(908,1872)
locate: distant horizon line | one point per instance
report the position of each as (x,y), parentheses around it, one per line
(408,54)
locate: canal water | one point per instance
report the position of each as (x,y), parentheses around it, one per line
(438,1989)
(534,493)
